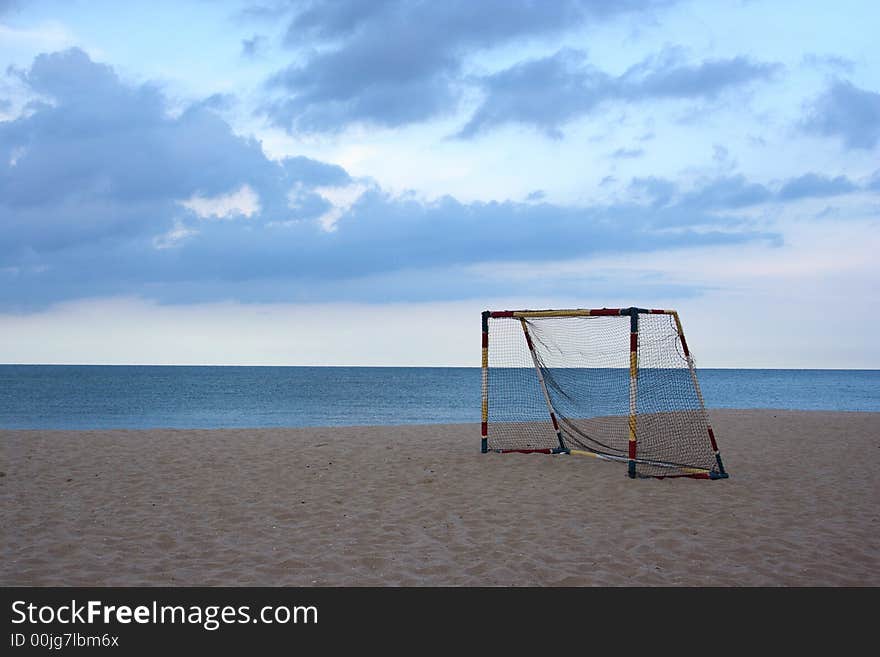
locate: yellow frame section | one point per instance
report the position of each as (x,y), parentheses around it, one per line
(581,452)
(677,322)
(525,314)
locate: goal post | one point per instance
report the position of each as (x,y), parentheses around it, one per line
(617,384)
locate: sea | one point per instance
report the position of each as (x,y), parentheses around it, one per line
(140,397)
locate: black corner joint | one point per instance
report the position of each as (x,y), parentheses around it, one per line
(634,313)
(486,314)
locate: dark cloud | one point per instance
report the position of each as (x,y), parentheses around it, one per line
(666,76)
(728,192)
(815,185)
(720,154)
(253,46)
(536,195)
(104,160)
(847,112)
(734,192)
(91,184)
(381,237)
(658,191)
(316,173)
(215,102)
(334,19)
(627,153)
(832,62)
(265,11)
(547,93)
(394,62)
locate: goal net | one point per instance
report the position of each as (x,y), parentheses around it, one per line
(617,384)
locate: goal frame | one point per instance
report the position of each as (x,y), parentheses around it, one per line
(632,457)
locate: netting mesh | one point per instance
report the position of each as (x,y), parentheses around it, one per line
(585,364)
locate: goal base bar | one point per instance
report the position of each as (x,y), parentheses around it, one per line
(693,473)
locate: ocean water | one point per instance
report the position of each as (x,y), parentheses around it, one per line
(95,396)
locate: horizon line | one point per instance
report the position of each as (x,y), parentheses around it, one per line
(477,367)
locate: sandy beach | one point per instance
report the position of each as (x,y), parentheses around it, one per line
(419,505)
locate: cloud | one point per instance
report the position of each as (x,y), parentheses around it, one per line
(110,195)
(545,93)
(393,62)
(627,153)
(832,62)
(340,201)
(727,193)
(175,236)
(657,191)
(814,185)
(103,160)
(536,195)
(315,172)
(847,112)
(244,202)
(271,11)
(253,46)
(383,248)
(666,76)
(548,92)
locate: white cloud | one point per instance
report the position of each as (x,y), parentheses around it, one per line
(174,237)
(342,198)
(244,202)
(16,155)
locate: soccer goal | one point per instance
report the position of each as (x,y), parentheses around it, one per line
(614,383)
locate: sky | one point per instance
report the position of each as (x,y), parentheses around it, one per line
(350,182)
